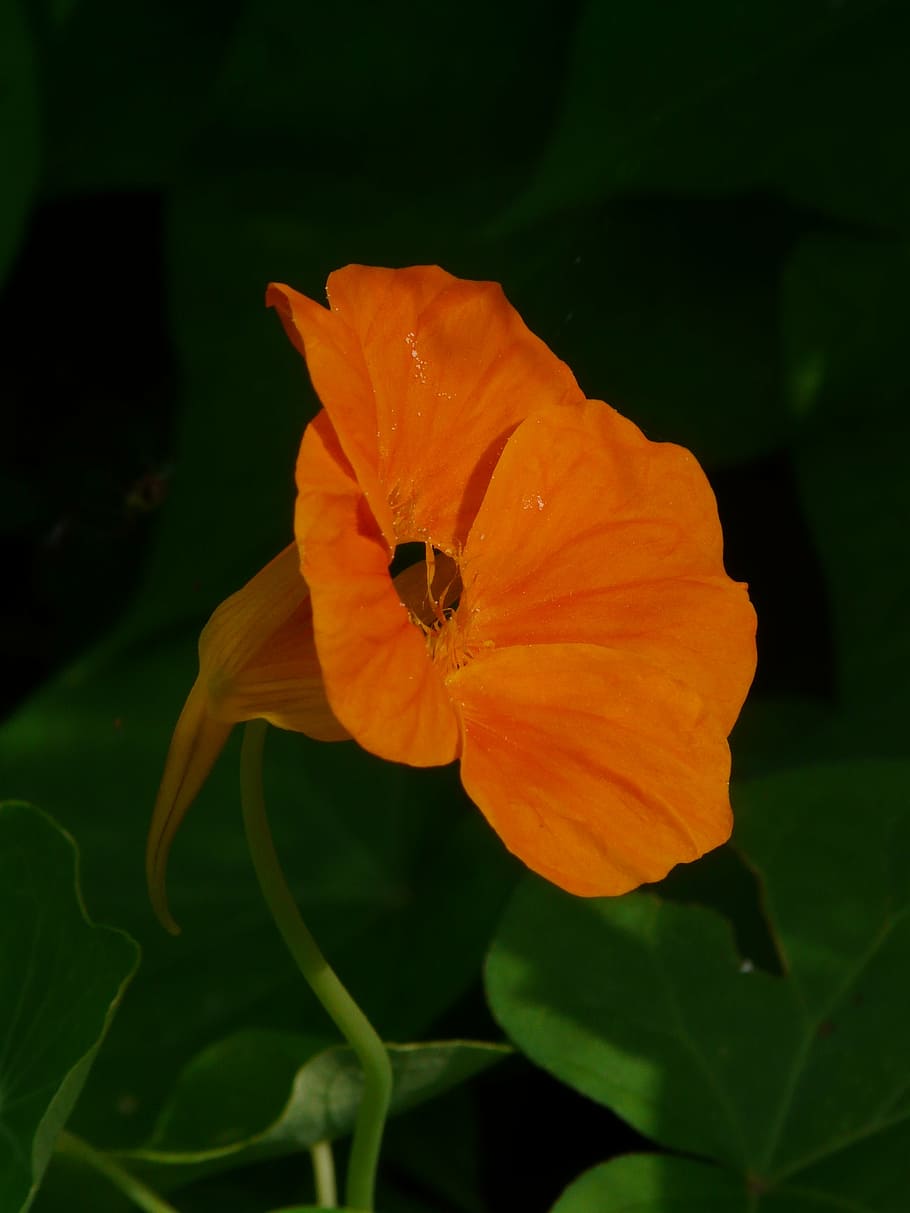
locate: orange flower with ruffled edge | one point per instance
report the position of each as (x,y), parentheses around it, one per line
(569,633)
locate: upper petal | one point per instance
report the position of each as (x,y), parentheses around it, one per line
(595,768)
(335,360)
(423,376)
(589,533)
(379,678)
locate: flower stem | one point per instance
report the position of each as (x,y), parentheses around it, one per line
(350,1020)
(324,1175)
(134,1189)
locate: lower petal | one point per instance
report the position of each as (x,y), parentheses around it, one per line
(597,770)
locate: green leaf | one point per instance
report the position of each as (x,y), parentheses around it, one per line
(401,113)
(66,1175)
(19,128)
(396,873)
(232,1091)
(798,1083)
(63,978)
(717,97)
(437,1150)
(127,89)
(844,328)
(262,1095)
(781,732)
(860,531)
(312,1209)
(666,309)
(654,1183)
(845,318)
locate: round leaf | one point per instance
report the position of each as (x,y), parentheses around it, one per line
(62,979)
(798,1082)
(653,1183)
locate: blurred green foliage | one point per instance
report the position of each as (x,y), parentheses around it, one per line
(705,211)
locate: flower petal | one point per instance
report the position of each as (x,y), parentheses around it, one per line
(379,678)
(341,379)
(452,369)
(589,533)
(256,659)
(197,741)
(595,768)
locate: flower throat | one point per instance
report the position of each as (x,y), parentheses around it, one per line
(429,585)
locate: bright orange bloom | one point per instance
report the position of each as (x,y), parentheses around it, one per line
(569,632)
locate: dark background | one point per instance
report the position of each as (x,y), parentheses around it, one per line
(702,208)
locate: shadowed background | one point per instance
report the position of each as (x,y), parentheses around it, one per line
(703,209)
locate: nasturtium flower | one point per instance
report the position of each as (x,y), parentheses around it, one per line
(565,628)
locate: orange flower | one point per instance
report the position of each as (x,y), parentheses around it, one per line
(568,633)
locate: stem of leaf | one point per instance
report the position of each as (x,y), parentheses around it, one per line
(134,1189)
(347,1015)
(324,1175)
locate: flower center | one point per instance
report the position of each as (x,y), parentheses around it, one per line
(429,585)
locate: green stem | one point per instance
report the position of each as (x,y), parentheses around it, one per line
(134,1189)
(351,1021)
(324,1175)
